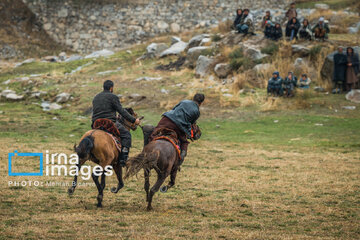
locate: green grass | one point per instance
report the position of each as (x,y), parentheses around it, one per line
(334,4)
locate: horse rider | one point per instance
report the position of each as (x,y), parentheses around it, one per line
(105,105)
(180,119)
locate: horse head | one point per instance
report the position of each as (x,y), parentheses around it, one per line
(196,132)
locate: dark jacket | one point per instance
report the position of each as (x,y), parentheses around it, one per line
(355,62)
(292,26)
(237,19)
(290,83)
(106,104)
(184,115)
(340,61)
(268,31)
(264,20)
(276,33)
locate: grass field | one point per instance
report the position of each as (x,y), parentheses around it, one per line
(272,169)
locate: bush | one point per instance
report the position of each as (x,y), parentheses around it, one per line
(270,49)
(236,59)
(314,51)
(215,38)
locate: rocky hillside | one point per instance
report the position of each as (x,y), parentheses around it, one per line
(21,34)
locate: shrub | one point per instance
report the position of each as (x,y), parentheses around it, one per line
(314,51)
(215,38)
(270,49)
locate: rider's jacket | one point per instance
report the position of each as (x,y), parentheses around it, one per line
(184,115)
(106,104)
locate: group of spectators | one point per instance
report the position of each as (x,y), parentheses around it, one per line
(286,87)
(346,69)
(244,23)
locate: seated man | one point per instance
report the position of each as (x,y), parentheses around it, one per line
(276,32)
(268,30)
(321,30)
(266,18)
(305,30)
(304,82)
(105,105)
(237,20)
(180,119)
(289,83)
(275,85)
(292,28)
(246,24)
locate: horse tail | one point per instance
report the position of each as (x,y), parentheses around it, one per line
(85,147)
(142,161)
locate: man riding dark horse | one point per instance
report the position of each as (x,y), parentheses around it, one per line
(105,106)
(180,119)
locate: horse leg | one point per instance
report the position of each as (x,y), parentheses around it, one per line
(100,190)
(160,180)
(147,183)
(74,182)
(172,180)
(118,171)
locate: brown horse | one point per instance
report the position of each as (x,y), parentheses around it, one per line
(99,147)
(160,155)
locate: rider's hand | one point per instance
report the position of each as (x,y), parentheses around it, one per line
(137,121)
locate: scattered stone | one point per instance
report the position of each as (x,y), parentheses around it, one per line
(246,90)
(175,28)
(148,79)
(175,39)
(164,91)
(319,89)
(129,51)
(203,66)
(353,96)
(81,67)
(276,121)
(321,6)
(154,50)
(136,97)
(5,92)
(109,71)
(227,95)
(62,56)
(195,41)
(50,106)
(30,60)
(62,97)
(193,54)
(222,70)
(175,49)
(172,65)
(7,82)
(349,107)
(262,67)
(253,53)
(300,50)
(51,59)
(38,94)
(205,41)
(14,97)
(101,53)
(74,58)
(163,26)
(319,124)
(298,62)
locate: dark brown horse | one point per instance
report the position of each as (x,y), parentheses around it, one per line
(99,147)
(162,156)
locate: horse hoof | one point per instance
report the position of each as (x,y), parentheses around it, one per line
(99,205)
(70,191)
(164,189)
(114,190)
(149,208)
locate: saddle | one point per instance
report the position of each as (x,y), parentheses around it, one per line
(168,135)
(109,127)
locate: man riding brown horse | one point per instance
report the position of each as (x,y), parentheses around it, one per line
(180,119)
(105,106)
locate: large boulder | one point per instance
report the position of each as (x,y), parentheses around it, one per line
(253,53)
(222,70)
(353,96)
(175,49)
(203,66)
(14,97)
(300,50)
(101,53)
(155,49)
(74,58)
(62,97)
(193,55)
(195,41)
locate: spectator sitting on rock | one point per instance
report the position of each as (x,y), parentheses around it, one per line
(269,30)
(266,18)
(289,83)
(305,30)
(340,65)
(321,29)
(237,20)
(291,13)
(304,82)
(352,69)
(292,28)
(275,85)
(276,32)
(247,23)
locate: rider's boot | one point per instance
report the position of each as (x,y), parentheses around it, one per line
(123,156)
